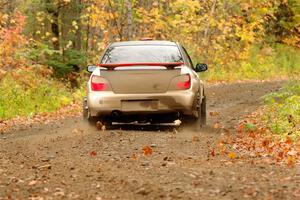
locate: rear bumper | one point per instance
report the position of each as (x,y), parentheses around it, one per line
(104,103)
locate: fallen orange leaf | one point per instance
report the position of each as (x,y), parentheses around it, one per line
(213,114)
(212,153)
(265,143)
(232,155)
(93,153)
(217,126)
(196,139)
(133,156)
(280,154)
(240,128)
(288,141)
(147,151)
(291,160)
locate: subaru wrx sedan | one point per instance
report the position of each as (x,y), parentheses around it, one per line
(145,81)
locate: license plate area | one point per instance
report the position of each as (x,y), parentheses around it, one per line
(139,105)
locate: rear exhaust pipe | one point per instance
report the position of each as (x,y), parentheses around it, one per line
(116,113)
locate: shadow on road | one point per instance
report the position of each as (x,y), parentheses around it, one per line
(143,127)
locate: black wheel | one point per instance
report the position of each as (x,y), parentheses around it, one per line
(198,120)
(87,115)
(203,112)
(85,109)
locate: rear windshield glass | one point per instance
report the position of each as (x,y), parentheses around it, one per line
(137,54)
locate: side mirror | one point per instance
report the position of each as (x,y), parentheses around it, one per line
(91,68)
(201,67)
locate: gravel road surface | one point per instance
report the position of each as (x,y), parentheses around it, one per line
(70,160)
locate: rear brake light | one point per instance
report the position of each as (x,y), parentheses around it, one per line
(99,84)
(186,84)
(182,82)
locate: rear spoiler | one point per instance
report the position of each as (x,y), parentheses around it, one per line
(112,66)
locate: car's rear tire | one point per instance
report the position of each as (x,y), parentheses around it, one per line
(87,115)
(199,119)
(203,112)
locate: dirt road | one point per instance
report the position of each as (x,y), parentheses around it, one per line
(68,160)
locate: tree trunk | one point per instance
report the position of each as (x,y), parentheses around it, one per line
(77,42)
(207,30)
(114,20)
(54,23)
(87,35)
(129,19)
(55,30)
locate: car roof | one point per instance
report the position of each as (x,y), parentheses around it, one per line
(142,43)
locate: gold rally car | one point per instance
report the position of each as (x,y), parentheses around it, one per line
(145,81)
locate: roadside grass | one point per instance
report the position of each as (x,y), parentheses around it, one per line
(282,111)
(29,92)
(278,62)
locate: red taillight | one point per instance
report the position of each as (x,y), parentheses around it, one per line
(185,83)
(99,84)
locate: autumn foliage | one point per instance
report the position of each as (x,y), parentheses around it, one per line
(241,37)
(11,40)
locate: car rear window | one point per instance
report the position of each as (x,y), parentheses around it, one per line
(146,53)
